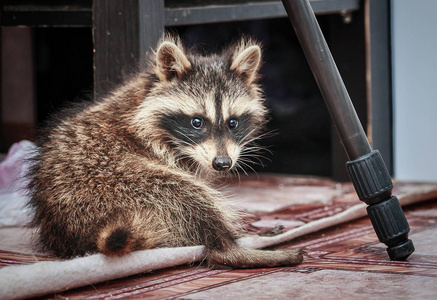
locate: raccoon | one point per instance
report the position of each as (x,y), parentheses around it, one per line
(133,170)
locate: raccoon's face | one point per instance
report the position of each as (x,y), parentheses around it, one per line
(212,138)
(208,109)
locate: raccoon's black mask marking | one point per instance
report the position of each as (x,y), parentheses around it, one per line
(179,125)
(245,125)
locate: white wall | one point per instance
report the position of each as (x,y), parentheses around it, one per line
(414,55)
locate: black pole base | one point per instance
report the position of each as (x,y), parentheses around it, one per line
(373,185)
(401,251)
(370,177)
(391,227)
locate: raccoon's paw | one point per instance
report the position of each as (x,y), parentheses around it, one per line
(117,241)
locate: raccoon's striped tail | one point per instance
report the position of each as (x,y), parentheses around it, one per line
(122,237)
(116,241)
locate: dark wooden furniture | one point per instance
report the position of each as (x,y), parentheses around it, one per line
(125,30)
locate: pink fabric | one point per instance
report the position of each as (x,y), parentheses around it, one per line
(15,165)
(13,196)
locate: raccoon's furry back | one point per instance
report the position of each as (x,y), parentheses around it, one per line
(128,172)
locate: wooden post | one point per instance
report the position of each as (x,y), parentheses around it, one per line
(124,31)
(378,54)
(17,86)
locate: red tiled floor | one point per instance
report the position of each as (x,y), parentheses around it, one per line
(344,261)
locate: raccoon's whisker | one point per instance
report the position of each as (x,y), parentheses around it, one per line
(192,164)
(266,149)
(247,140)
(251,141)
(249,154)
(183,134)
(266,134)
(235,171)
(242,142)
(181,156)
(252,154)
(247,160)
(189,160)
(190,139)
(247,165)
(197,170)
(255,156)
(178,143)
(242,169)
(238,174)
(183,142)
(256,148)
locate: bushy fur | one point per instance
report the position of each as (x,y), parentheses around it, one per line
(129,172)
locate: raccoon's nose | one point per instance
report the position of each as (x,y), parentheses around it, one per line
(221,163)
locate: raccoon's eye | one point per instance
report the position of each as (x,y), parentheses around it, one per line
(197,123)
(233,123)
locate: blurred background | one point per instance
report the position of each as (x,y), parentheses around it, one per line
(58,52)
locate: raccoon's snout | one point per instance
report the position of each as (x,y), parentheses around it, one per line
(221,163)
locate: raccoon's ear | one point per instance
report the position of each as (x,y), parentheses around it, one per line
(246,61)
(171,61)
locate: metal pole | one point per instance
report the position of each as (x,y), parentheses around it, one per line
(328,78)
(366,167)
